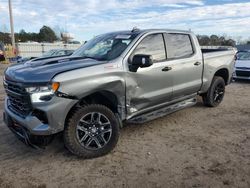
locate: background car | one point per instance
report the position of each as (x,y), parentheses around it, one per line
(57,52)
(50,53)
(242,65)
(2,58)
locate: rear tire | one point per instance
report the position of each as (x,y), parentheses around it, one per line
(91,131)
(215,93)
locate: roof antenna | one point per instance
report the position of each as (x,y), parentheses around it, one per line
(135,29)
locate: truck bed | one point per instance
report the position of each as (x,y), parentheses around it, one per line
(214,58)
(210,49)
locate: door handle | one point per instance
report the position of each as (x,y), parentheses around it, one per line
(166,69)
(197,63)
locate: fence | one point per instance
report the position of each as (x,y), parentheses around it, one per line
(37,49)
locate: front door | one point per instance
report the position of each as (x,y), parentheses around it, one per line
(149,86)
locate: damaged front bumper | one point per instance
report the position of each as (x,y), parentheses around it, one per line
(36,129)
(24,135)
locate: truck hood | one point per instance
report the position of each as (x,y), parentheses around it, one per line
(42,70)
(242,64)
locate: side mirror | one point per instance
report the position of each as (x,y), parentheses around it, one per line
(140,60)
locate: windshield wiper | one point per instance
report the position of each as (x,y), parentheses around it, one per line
(95,58)
(87,57)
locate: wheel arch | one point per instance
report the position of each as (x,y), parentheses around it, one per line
(103,97)
(224,73)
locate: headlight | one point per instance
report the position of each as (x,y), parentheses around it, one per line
(37,89)
(42,93)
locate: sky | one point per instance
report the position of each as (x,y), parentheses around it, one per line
(85,19)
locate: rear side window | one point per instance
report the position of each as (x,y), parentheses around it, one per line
(152,45)
(178,46)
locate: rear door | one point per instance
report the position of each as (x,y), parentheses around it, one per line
(186,64)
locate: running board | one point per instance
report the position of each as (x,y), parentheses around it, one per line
(162,111)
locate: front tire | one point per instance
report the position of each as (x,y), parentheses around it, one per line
(216,92)
(91,131)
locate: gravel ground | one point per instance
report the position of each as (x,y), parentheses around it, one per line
(195,147)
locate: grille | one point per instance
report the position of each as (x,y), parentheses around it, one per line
(18,99)
(243,73)
(242,68)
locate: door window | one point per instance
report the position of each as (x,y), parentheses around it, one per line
(152,45)
(178,46)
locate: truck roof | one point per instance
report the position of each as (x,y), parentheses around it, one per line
(141,31)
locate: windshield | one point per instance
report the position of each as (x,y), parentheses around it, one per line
(49,53)
(105,47)
(243,56)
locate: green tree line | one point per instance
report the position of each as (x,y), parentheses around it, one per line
(46,34)
(215,40)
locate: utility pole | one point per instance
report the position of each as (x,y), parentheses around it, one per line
(12,27)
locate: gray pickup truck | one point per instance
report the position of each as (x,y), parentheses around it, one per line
(127,76)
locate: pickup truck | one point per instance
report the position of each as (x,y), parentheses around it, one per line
(127,76)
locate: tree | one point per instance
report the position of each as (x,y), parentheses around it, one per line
(46,34)
(230,42)
(5,38)
(203,40)
(23,36)
(34,37)
(215,40)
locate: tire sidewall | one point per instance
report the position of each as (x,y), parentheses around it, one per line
(70,136)
(216,82)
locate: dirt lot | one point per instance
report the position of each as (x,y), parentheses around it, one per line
(195,147)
